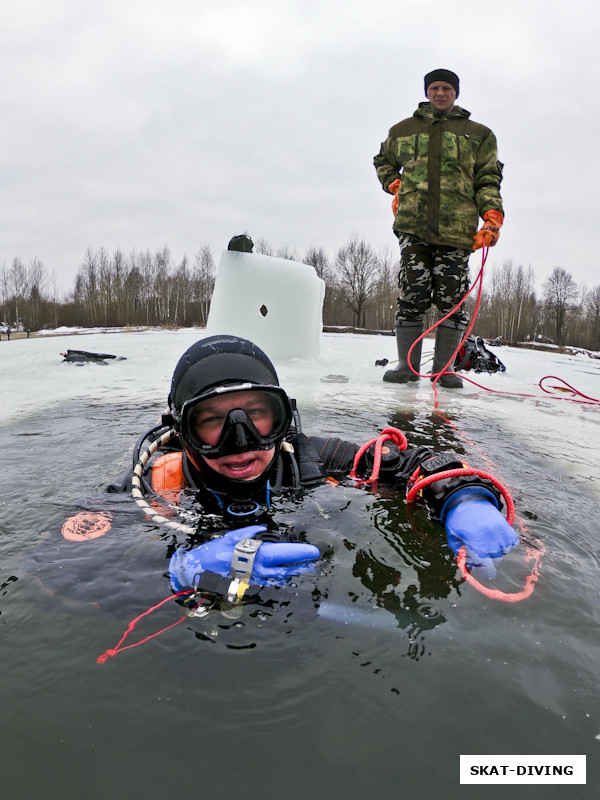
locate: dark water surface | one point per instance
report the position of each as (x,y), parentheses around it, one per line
(410,668)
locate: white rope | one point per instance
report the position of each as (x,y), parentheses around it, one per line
(136,485)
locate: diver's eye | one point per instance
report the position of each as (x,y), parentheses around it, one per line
(208,422)
(258,412)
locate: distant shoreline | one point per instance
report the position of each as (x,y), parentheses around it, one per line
(58,332)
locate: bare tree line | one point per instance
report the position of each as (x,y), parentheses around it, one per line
(112,290)
(151,289)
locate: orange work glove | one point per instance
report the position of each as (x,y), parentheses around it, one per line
(393,189)
(490,230)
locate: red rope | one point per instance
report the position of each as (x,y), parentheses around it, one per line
(569,388)
(418,485)
(461,559)
(112,652)
(586,401)
(445,371)
(479,283)
(497,594)
(388,434)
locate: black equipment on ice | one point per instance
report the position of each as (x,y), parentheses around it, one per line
(473,354)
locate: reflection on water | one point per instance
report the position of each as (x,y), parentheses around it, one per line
(377,672)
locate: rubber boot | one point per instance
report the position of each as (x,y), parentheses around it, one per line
(447,339)
(407,332)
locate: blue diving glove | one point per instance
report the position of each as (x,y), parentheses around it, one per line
(273,561)
(472,518)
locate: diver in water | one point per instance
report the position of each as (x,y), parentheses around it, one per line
(232,439)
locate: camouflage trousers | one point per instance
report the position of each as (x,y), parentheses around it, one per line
(431,274)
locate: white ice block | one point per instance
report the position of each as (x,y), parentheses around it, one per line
(274,302)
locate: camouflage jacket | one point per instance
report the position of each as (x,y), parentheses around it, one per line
(450,175)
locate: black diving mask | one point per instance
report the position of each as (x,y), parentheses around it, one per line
(236,418)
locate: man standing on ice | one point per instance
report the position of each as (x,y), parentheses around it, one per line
(444,173)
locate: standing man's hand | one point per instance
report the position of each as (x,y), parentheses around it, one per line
(393,188)
(489,232)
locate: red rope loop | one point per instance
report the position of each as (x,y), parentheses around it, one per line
(566,387)
(387,434)
(112,652)
(497,594)
(418,484)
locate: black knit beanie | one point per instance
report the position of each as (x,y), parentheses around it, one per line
(442,75)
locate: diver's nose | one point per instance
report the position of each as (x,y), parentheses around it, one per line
(241,440)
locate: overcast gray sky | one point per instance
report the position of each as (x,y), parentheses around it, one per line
(136,124)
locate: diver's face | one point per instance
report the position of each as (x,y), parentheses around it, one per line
(208,422)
